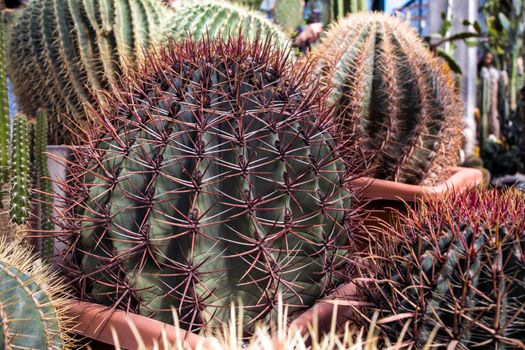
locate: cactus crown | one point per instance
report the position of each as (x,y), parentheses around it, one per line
(457,264)
(216,180)
(64,51)
(395,102)
(32,302)
(213,18)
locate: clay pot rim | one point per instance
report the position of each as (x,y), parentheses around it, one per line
(99,322)
(460,180)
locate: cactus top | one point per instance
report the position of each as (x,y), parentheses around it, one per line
(215,179)
(213,18)
(396,103)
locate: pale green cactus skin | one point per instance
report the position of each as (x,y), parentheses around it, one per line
(288,14)
(216,18)
(20,199)
(251,4)
(63,51)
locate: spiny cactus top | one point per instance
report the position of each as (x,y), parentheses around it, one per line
(396,103)
(32,303)
(59,50)
(214,179)
(457,265)
(211,18)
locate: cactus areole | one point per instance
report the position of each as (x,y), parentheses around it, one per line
(214,180)
(396,103)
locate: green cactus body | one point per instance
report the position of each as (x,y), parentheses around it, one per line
(222,186)
(288,14)
(222,18)
(44,182)
(396,103)
(5,136)
(63,51)
(456,264)
(337,9)
(20,199)
(31,308)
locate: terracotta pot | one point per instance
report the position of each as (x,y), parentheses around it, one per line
(387,199)
(460,180)
(97,322)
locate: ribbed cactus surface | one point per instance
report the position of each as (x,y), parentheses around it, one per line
(59,50)
(251,4)
(32,303)
(216,182)
(20,198)
(45,186)
(396,103)
(215,18)
(337,9)
(456,267)
(5,136)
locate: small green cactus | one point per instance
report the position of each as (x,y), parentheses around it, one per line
(337,9)
(5,136)
(20,198)
(213,18)
(44,182)
(396,103)
(32,302)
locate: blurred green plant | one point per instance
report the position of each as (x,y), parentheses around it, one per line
(505,21)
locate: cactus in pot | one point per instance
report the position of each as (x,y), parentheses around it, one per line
(456,267)
(33,304)
(216,181)
(395,103)
(212,18)
(63,52)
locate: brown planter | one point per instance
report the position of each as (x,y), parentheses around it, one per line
(387,199)
(97,322)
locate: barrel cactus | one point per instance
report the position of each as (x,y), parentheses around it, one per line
(212,18)
(396,104)
(32,302)
(61,52)
(216,179)
(456,266)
